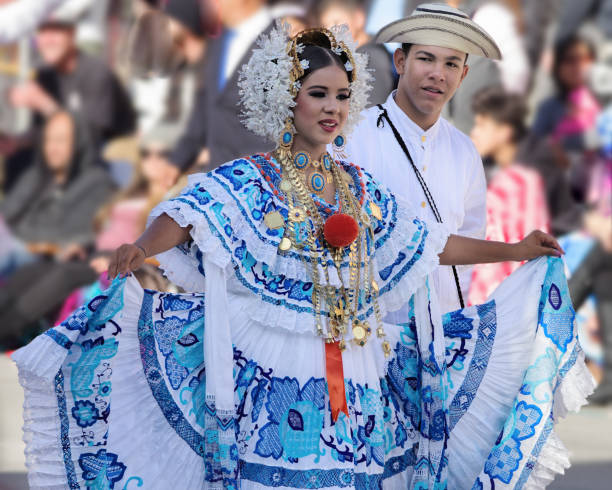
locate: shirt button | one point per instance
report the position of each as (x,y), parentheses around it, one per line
(423,204)
(424,168)
(423,138)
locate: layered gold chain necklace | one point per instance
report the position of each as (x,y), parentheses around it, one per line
(340,305)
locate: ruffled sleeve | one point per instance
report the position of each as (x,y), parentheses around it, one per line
(406,248)
(195,207)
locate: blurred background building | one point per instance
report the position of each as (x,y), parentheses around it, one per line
(106,106)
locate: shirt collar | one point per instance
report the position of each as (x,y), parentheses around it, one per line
(406,126)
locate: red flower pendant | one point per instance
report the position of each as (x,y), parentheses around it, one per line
(340,230)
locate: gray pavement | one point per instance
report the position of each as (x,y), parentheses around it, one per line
(588,436)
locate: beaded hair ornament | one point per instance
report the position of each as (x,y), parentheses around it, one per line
(269,82)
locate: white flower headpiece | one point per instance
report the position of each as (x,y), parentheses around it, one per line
(269,82)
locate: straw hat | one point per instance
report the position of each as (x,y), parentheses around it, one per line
(434,24)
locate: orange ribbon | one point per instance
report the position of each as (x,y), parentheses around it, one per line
(335,379)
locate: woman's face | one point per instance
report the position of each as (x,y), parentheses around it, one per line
(58,142)
(575,65)
(322,107)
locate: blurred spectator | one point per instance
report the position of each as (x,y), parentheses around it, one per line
(483,73)
(537,18)
(299,16)
(594,275)
(567,119)
(124,218)
(504,20)
(567,115)
(53,203)
(214,122)
(353,13)
(565,212)
(574,15)
(166,56)
(516,202)
(36,291)
(18,18)
(74,81)
(91,26)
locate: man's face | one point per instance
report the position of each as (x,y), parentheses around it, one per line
(429,77)
(488,135)
(54,43)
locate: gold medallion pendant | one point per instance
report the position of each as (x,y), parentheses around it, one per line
(285,244)
(361,331)
(285,186)
(274,220)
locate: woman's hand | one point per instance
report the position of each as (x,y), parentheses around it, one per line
(127,258)
(537,244)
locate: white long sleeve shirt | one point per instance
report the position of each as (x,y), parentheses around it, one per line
(449,164)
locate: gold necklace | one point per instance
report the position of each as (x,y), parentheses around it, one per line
(342,304)
(321,174)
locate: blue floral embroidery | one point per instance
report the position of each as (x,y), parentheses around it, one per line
(83,371)
(557,321)
(85,413)
(102,469)
(371,434)
(456,324)
(59,338)
(295,419)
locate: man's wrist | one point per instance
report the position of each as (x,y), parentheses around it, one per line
(516,252)
(143,250)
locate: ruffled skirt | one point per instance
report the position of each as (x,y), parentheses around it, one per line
(116,398)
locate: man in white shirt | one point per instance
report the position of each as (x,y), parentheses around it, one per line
(436,40)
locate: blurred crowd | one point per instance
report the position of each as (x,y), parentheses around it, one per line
(107,105)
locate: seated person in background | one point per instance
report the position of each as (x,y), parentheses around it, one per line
(74,81)
(125,217)
(516,200)
(53,203)
(48,217)
(36,292)
(353,13)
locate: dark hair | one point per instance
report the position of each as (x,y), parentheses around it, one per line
(560,52)
(503,108)
(406,49)
(317,51)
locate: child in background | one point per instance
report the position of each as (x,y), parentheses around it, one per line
(516,200)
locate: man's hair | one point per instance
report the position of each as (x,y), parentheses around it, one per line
(503,108)
(406,49)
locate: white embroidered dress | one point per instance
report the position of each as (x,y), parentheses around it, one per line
(224,387)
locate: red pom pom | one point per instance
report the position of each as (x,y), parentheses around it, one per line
(340,230)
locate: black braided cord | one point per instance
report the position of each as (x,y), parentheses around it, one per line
(428,196)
